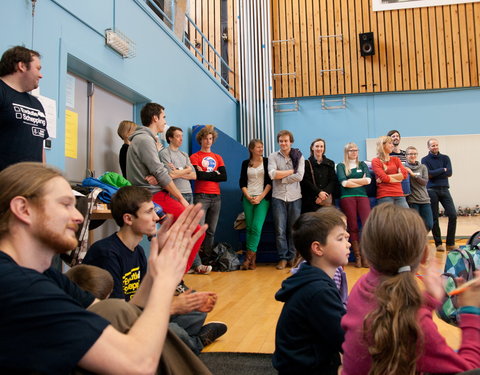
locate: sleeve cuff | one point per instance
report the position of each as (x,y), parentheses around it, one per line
(469,310)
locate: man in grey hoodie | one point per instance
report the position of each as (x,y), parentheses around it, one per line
(418,198)
(142,155)
(144,166)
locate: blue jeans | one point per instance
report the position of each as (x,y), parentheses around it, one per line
(399,201)
(284,215)
(442,195)
(211,204)
(187,327)
(425,211)
(188,197)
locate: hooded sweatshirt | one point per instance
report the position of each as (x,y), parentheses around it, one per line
(143,160)
(436,356)
(308,336)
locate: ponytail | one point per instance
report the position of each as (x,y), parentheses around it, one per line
(392,329)
(393,241)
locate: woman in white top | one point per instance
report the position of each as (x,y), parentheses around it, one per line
(256,187)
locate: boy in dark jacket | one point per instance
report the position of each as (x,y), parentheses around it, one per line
(308,336)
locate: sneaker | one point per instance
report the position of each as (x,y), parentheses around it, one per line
(203,270)
(211,331)
(281,265)
(440,248)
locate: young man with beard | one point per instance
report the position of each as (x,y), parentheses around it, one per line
(44,325)
(401,154)
(122,255)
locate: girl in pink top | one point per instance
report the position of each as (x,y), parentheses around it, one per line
(389,172)
(388,325)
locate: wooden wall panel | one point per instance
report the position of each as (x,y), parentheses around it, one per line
(207,16)
(416,49)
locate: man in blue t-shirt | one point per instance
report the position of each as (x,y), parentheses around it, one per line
(121,255)
(44,327)
(23,124)
(439,171)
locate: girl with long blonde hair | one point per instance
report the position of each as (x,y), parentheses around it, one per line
(353,176)
(388,325)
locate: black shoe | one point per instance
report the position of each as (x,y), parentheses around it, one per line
(181,288)
(211,331)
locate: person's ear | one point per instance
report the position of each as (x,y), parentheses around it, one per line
(316,248)
(425,256)
(21,67)
(21,209)
(128,219)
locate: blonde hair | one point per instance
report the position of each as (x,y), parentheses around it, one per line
(346,160)
(93,279)
(394,237)
(125,128)
(381,142)
(25,179)
(206,130)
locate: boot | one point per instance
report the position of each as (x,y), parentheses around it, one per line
(248,258)
(356,252)
(252,265)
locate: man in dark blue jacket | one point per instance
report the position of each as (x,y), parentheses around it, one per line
(439,170)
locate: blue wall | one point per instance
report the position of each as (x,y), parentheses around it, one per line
(369,116)
(163,70)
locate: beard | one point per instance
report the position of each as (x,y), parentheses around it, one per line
(60,242)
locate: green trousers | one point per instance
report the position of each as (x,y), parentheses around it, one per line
(254,218)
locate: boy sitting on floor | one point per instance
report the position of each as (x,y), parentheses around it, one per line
(308,336)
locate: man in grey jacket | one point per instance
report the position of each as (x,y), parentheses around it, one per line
(142,156)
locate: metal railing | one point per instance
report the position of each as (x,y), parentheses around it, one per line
(205,47)
(156,9)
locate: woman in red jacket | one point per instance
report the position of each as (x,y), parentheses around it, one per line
(389,172)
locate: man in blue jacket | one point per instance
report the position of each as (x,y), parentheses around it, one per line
(439,170)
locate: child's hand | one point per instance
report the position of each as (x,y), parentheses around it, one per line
(432,280)
(471,296)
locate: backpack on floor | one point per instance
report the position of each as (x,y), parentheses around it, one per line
(463,263)
(474,240)
(222,258)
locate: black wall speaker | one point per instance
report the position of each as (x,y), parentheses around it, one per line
(367,47)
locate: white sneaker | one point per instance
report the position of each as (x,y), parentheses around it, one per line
(203,270)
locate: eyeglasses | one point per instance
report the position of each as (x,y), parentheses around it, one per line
(354,150)
(412,154)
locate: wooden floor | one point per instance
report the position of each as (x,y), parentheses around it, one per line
(246,301)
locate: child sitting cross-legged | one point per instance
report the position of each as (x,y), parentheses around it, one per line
(308,336)
(388,326)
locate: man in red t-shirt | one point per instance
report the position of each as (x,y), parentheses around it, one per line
(210,171)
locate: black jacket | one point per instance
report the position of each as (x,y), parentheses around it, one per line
(308,338)
(243,181)
(325,179)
